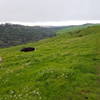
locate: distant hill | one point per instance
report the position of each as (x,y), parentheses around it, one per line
(75,28)
(64,67)
(11,34)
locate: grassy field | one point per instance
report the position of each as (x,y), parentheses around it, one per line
(65,67)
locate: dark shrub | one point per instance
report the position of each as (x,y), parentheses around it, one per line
(28,49)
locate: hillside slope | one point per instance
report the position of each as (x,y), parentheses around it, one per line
(12,34)
(65,67)
(75,28)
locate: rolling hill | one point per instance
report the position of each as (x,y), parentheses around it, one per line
(64,67)
(12,34)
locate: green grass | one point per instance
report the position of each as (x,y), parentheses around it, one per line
(65,67)
(74,28)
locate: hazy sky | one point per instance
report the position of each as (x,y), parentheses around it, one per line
(49,10)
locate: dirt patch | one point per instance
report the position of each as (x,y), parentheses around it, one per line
(0,59)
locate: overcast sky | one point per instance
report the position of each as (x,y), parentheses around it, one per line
(48,10)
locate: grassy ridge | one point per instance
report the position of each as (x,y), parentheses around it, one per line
(65,67)
(75,28)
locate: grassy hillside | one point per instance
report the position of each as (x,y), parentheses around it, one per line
(11,34)
(65,67)
(75,28)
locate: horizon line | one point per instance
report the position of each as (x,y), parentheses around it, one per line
(53,23)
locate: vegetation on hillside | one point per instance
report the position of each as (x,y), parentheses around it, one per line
(65,67)
(11,35)
(75,28)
